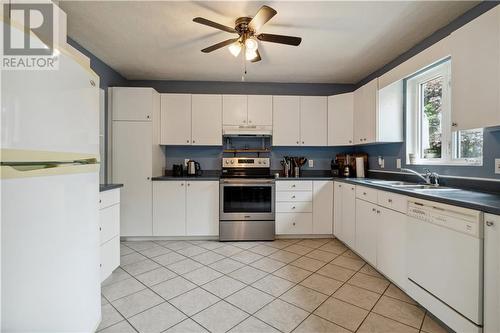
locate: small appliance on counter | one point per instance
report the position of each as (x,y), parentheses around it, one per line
(350,165)
(193,168)
(177,170)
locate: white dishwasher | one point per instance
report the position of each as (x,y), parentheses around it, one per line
(445,262)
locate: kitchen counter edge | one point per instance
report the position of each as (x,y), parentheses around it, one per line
(109,187)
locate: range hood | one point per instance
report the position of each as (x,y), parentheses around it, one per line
(248,131)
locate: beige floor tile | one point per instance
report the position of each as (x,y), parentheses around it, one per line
(220,317)
(211,245)
(194,301)
(117,275)
(313,243)
(140,245)
(122,288)
(322,284)
(140,267)
(124,250)
(178,245)
(324,256)
(336,272)
(282,243)
(267,264)
(253,325)
(341,313)
(208,258)
(432,326)
(226,266)
(284,256)
(186,326)
(168,258)
(369,282)
(248,245)
(227,250)
(351,254)
(369,270)
(192,251)
(109,316)
(357,296)
(292,273)
(273,285)
(184,266)
(156,276)
(155,251)
(248,274)
(133,304)
(173,287)
(249,299)
(246,257)
(131,258)
(375,323)
(315,324)
(202,275)
(400,311)
(223,286)
(349,263)
(397,293)
(121,327)
(304,298)
(298,249)
(308,263)
(157,319)
(263,250)
(334,247)
(282,315)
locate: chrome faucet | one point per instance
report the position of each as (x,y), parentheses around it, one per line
(427,177)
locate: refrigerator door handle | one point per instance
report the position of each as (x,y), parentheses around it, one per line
(25,169)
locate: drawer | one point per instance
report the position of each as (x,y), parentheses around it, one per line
(294,207)
(110,257)
(109,222)
(291,185)
(294,223)
(393,201)
(366,193)
(109,198)
(294,196)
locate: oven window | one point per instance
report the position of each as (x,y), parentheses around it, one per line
(247,199)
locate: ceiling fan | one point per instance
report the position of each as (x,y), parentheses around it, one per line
(247,28)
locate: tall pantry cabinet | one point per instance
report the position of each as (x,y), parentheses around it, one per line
(136,154)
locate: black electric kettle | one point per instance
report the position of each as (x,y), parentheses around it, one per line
(193,168)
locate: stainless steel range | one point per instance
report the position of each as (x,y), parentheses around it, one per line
(246,199)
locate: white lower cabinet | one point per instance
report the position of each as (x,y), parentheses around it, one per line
(491,273)
(322,207)
(344,218)
(294,223)
(185,208)
(367,221)
(109,228)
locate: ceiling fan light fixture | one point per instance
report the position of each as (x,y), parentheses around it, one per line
(250,54)
(235,49)
(251,44)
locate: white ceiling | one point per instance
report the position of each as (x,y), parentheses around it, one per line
(342,42)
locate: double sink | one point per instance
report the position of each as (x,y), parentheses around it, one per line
(410,186)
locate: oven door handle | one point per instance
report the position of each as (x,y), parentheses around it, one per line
(247,181)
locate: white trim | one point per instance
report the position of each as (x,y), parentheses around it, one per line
(440,176)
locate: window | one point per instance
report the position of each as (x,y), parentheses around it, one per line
(429,135)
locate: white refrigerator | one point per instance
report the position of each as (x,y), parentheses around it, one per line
(50,280)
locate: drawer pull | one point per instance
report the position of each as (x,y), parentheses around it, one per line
(100,201)
(364,193)
(293,196)
(293,207)
(373,209)
(293,185)
(293,223)
(390,200)
(489,223)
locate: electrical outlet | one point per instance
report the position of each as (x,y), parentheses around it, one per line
(398,163)
(311,163)
(497,165)
(186,160)
(381,162)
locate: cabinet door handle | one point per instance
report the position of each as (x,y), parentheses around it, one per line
(302,142)
(244,121)
(193,141)
(188,184)
(364,193)
(249,121)
(182,184)
(293,185)
(378,211)
(390,200)
(100,201)
(187,141)
(293,207)
(373,209)
(100,229)
(148,178)
(490,223)
(297,142)
(92,83)
(454,124)
(350,141)
(148,117)
(293,223)
(293,196)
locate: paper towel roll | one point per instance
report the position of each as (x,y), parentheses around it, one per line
(360,167)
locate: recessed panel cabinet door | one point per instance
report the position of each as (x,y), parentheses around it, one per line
(169,208)
(202,210)
(132,103)
(349,214)
(337,210)
(175,119)
(260,110)
(286,120)
(313,120)
(206,120)
(340,119)
(234,109)
(366,230)
(131,166)
(491,273)
(322,207)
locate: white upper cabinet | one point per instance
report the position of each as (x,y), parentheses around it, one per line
(313,120)
(475,68)
(260,110)
(175,119)
(365,110)
(340,119)
(206,120)
(132,103)
(286,120)
(234,109)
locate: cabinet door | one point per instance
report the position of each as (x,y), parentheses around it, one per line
(349,215)
(286,120)
(322,207)
(234,109)
(131,166)
(391,246)
(313,120)
(358,130)
(132,103)
(337,210)
(260,110)
(294,223)
(169,208)
(175,119)
(475,68)
(366,230)
(206,120)
(491,273)
(202,210)
(365,111)
(340,119)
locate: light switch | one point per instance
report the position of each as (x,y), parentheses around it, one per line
(398,163)
(497,165)
(311,163)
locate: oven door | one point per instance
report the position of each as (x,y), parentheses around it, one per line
(242,200)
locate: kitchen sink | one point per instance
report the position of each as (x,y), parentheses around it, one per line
(390,182)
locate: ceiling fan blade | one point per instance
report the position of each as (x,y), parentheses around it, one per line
(281,39)
(257,58)
(219,45)
(264,14)
(213,24)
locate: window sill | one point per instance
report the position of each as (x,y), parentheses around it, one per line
(447,163)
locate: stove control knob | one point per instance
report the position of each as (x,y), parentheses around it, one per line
(232,162)
(227,162)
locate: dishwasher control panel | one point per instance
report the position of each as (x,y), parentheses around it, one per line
(462,220)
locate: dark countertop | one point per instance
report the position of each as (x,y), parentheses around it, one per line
(483,201)
(205,175)
(305,178)
(308,175)
(107,187)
